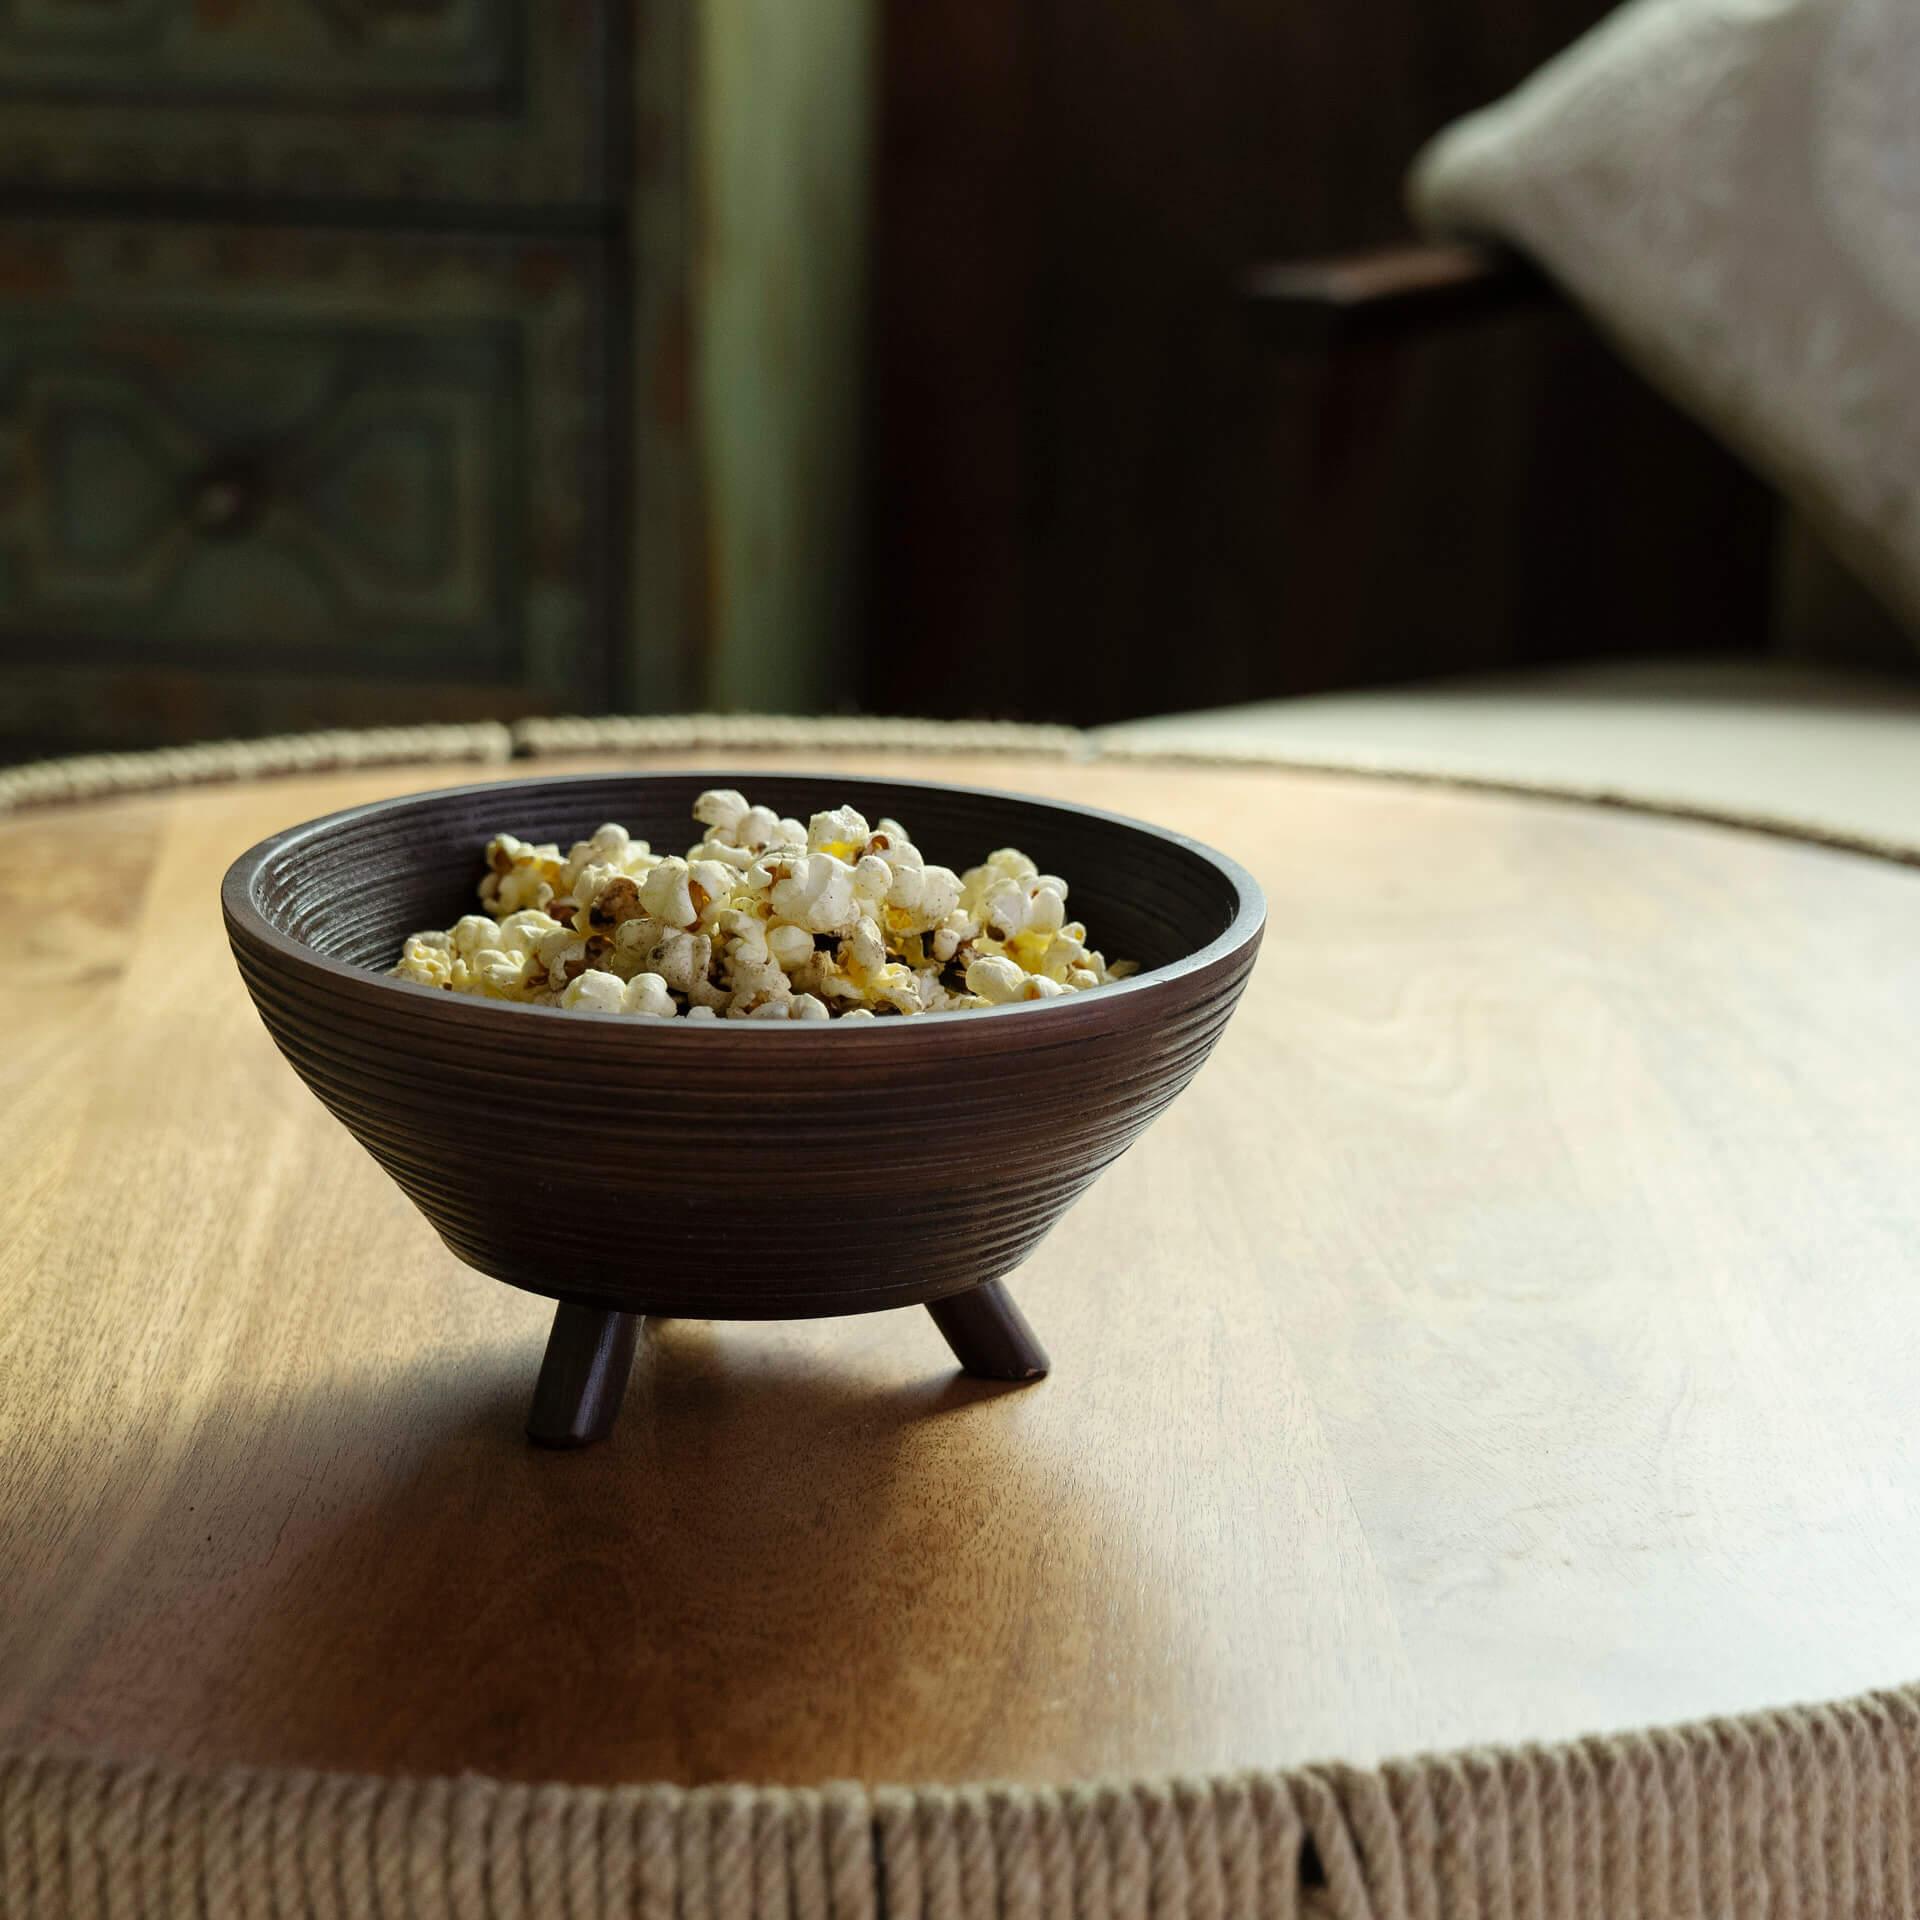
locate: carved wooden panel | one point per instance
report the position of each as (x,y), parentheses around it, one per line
(476,101)
(301,457)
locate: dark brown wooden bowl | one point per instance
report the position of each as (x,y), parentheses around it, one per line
(735,1169)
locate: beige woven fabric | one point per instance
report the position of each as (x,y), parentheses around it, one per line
(487,745)
(1731,188)
(1797,1815)
(90,776)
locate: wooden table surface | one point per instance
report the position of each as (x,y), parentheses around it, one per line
(1510,1334)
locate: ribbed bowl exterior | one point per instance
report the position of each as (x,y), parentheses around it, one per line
(740,1169)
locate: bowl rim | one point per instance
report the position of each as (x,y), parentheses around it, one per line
(243,913)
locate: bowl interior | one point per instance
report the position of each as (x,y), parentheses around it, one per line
(355,886)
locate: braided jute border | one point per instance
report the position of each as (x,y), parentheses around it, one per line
(1811,1811)
(1796,1814)
(98,775)
(489,743)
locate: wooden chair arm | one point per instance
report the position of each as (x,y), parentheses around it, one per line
(1389,292)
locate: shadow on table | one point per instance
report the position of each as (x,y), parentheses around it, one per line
(780,1568)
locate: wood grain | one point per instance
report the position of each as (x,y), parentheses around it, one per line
(1509,1334)
(1082,443)
(1388,292)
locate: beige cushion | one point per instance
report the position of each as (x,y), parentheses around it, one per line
(1732,189)
(1837,755)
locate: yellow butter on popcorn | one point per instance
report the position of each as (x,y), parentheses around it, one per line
(765,918)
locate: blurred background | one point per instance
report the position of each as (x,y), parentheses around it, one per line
(366,361)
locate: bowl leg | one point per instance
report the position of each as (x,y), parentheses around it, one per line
(583,1377)
(989,1335)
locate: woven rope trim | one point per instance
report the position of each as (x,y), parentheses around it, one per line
(98,776)
(95,775)
(680,732)
(1781,826)
(1803,1814)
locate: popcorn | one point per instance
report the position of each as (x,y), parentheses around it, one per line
(895,986)
(683,960)
(520,875)
(732,822)
(667,893)
(761,827)
(712,885)
(922,898)
(815,892)
(597,992)
(607,849)
(1046,911)
(473,931)
(995,978)
(522,932)
(842,833)
(509,976)
(647,993)
(791,946)
(865,949)
(427,958)
(721,808)
(764,919)
(603,897)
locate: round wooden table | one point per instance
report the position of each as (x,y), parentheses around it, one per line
(1510,1334)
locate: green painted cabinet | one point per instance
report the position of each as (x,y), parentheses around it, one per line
(259,459)
(377,360)
(494,103)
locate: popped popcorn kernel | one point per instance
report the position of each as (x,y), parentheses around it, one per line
(667,893)
(791,946)
(599,992)
(475,933)
(995,978)
(720,808)
(504,974)
(647,993)
(427,958)
(841,832)
(519,875)
(815,892)
(763,919)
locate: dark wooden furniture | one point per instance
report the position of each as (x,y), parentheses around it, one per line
(275,473)
(1100,492)
(315,325)
(1389,293)
(349,371)
(1370,318)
